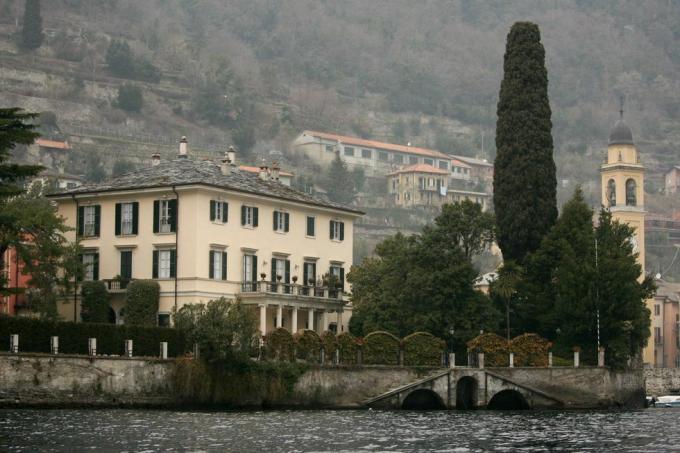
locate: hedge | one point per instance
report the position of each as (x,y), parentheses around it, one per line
(380,348)
(95,304)
(279,345)
(34,336)
(530,349)
(308,346)
(330,345)
(423,348)
(348,346)
(495,348)
(141,302)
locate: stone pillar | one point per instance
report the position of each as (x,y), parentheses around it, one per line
(324,321)
(550,359)
(128,348)
(323,356)
(263,319)
(295,320)
(54,345)
(512,360)
(400,358)
(339,323)
(197,350)
(279,316)
(600,357)
(337,357)
(164,350)
(480,360)
(452,359)
(14,343)
(577,359)
(310,319)
(92,346)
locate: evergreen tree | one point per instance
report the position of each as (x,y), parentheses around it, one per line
(524,170)
(130,98)
(340,182)
(32,32)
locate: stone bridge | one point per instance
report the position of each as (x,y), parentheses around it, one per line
(516,388)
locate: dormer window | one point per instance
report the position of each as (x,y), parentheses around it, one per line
(631,195)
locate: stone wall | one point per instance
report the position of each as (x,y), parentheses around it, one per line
(662,381)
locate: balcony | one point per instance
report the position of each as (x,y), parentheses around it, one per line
(117,285)
(293,290)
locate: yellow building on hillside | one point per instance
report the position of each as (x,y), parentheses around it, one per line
(205,230)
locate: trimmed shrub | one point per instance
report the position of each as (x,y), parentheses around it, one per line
(308,346)
(330,345)
(34,336)
(348,346)
(495,348)
(95,302)
(381,348)
(129,98)
(423,348)
(279,345)
(530,350)
(141,301)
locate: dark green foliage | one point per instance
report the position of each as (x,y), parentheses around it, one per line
(380,348)
(95,302)
(524,170)
(34,336)
(94,168)
(123,63)
(129,98)
(308,346)
(122,166)
(244,138)
(16,128)
(330,345)
(422,348)
(339,183)
(465,224)
(279,345)
(141,301)
(32,31)
(347,344)
(496,349)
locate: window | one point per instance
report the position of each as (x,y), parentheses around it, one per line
(337,230)
(398,159)
(394,184)
(249,272)
(631,196)
(163,319)
(89,220)
(428,161)
(349,151)
(164,263)
(366,153)
(90,262)
(126,218)
(311,226)
(657,335)
(383,156)
(165,216)
(611,192)
(330,148)
(657,310)
(412,160)
(218,265)
(249,216)
(309,273)
(280,273)
(219,211)
(421,183)
(339,273)
(281,221)
(126,264)
(444,165)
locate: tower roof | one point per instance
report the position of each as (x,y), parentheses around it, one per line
(621,134)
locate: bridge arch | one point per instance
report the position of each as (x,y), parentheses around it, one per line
(423,399)
(466,393)
(508,400)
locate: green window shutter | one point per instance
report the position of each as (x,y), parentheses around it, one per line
(225,211)
(81,220)
(310,226)
(332,228)
(256,212)
(224,265)
(95,267)
(305,274)
(126,264)
(211,257)
(273,278)
(156,216)
(135,217)
(154,273)
(212,210)
(118,209)
(173,263)
(243,215)
(342,231)
(276,218)
(173,215)
(97,219)
(286,277)
(254,268)
(286,222)
(342,278)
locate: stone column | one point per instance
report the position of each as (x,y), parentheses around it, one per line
(310,319)
(452,359)
(263,319)
(576,359)
(512,360)
(164,350)
(324,321)
(54,345)
(279,316)
(550,359)
(480,360)
(600,357)
(295,319)
(339,323)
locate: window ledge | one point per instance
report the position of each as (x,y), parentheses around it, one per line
(310,237)
(88,237)
(217,222)
(164,234)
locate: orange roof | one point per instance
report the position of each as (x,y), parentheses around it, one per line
(420,168)
(257,170)
(52,143)
(459,163)
(379,145)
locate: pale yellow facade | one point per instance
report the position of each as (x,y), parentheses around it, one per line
(293,305)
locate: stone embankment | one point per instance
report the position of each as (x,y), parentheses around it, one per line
(662,381)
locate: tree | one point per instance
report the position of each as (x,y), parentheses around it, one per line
(141,303)
(465,224)
(119,59)
(509,278)
(32,32)
(94,168)
(129,98)
(524,170)
(339,182)
(95,302)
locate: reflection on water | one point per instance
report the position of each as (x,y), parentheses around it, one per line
(338,431)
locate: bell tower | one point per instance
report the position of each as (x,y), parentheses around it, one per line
(623,177)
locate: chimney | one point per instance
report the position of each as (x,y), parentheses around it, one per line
(275,171)
(225,168)
(231,155)
(183,147)
(155,159)
(263,170)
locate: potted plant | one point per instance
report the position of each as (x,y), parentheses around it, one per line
(263,276)
(295,279)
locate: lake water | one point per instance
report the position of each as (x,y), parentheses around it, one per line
(338,431)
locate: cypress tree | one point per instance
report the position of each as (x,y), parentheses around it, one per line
(340,185)
(32,32)
(524,170)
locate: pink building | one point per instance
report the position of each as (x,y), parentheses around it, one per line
(665,317)
(673,180)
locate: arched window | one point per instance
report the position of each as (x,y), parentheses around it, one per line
(611,192)
(631,189)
